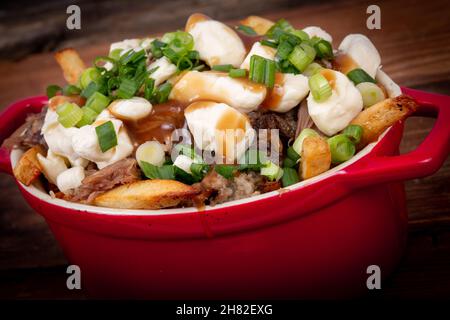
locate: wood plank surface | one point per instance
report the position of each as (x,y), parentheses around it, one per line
(415,49)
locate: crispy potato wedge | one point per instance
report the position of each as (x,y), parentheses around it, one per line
(316,157)
(377,118)
(54,102)
(259,24)
(146,194)
(28,169)
(71,64)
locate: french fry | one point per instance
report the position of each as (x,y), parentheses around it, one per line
(146,194)
(316,157)
(71,64)
(259,24)
(28,169)
(377,118)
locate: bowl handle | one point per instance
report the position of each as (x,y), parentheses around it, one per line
(12,118)
(423,161)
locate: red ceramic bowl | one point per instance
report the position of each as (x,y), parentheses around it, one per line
(313,240)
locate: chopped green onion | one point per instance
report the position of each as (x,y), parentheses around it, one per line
(151,171)
(284,49)
(97,102)
(298,143)
(269,74)
(268,43)
(292,154)
(312,69)
(127,89)
(69,114)
(222,67)
(131,56)
(324,49)
(53,90)
(371,93)
(354,132)
(115,54)
(257,69)
(279,29)
(199,170)
(162,93)
(290,177)
(225,170)
(101,61)
(89,116)
(320,88)
(359,75)
(272,171)
(252,160)
(247,30)
(156,48)
(300,34)
(106,135)
(302,56)
(149,88)
(89,90)
(89,75)
(341,148)
(237,73)
(179,40)
(70,90)
(184,63)
(289,163)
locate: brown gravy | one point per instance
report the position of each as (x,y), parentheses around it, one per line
(159,125)
(344,63)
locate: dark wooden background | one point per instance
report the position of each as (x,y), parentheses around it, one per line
(414,43)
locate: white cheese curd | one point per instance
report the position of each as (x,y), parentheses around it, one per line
(70,179)
(151,152)
(362,51)
(216,42)
(85,143)
(59,138)
(391,87)
(164,70)
(130,109)
(219,127)
(259,50)
(184,163)
(289,90)
(335,113)
(314,31)
(241,94)
(52,165)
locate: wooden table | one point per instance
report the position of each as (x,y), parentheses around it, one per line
(415,49)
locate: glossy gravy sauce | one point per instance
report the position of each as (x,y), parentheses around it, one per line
(344,63)
(159,124)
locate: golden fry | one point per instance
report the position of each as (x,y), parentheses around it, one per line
(377,118)
(259,24)
(316,157)
(28,169)
(71,64)
(147,194)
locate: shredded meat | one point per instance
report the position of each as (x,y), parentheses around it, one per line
(29,134)
(285,122)
(119,173)
(219,189)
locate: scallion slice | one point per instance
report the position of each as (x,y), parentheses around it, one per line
(257,69)
(149,88)
(225,170)
(156,48)
(272,171)
(268,43)
(106,135)
(324,49)
(292,154)
(300,34)
(298,143)
(302,56)
(53,90)
(247,30)
(89,90)
(162,93)
(151,171)
(115,54)
(222,67)
(97,102)
(70,90)
(127,89)
(89,75)
(341,148)
(371,93)
(69,114)
(89,116)
(269,73)
(284,49)
(237,73)
(312,69)
(289,163)
(354,132)
(290,177)
(358,76)
(320,88)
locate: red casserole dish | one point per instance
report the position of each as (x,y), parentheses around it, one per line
(313,240)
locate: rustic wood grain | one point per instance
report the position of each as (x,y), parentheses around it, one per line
(415,49)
